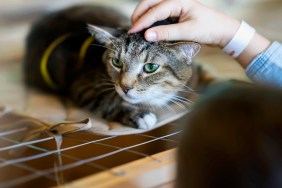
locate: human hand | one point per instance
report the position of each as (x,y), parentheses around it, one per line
(197,22)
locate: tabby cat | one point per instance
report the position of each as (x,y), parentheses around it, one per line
(84,52)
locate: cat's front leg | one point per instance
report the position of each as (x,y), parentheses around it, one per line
(135,117)
(145,120)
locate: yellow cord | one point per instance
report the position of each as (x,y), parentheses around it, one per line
(83,50)
(43,65)
(44,61)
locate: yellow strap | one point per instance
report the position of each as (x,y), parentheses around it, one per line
(43,65)
(44,61)
(83,50)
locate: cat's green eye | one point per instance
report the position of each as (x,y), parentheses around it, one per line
(150,67)
(117,63)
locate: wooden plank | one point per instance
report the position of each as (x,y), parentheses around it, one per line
(146,172)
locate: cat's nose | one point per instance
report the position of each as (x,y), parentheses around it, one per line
(125,89)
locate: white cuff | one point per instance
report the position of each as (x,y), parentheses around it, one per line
(240,40)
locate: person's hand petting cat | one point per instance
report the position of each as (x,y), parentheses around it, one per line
(197,22)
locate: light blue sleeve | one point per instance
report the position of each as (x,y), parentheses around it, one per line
(267,67)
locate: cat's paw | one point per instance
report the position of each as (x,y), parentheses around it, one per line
(147,121)
(141,120)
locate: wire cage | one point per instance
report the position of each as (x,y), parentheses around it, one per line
(49,161)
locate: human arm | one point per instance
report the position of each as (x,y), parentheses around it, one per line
(267,66)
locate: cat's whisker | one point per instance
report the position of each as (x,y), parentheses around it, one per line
(168,98)
(184,99)
(189,89)
(104,90)
(106,82)
(180,99)
(178,103)
(184,85)
(90,87)
(103,84)
(83,96)
(103,47)
(108,88)
(182,102)
(173,100)
(82,91)
(106,79)
(169,108)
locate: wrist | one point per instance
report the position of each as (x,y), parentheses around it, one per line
(257,45)
(229,31)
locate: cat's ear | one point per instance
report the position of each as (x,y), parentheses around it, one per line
(104,35)
(188,50)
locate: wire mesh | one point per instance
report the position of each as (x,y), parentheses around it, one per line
(41,162)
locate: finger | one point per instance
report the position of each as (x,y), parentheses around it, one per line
(143,7)
(160,12)
(172,32)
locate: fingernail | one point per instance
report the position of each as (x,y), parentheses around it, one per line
(132,30)
(151,36)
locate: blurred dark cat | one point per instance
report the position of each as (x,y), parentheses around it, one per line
(233,139)
(123,76)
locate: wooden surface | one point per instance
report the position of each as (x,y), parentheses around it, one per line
(146,172)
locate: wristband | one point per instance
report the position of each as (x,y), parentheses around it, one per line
(240,40)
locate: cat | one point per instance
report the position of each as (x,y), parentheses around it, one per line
(85,53)
(232,138)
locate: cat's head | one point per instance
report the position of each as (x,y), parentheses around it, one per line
(143,72)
